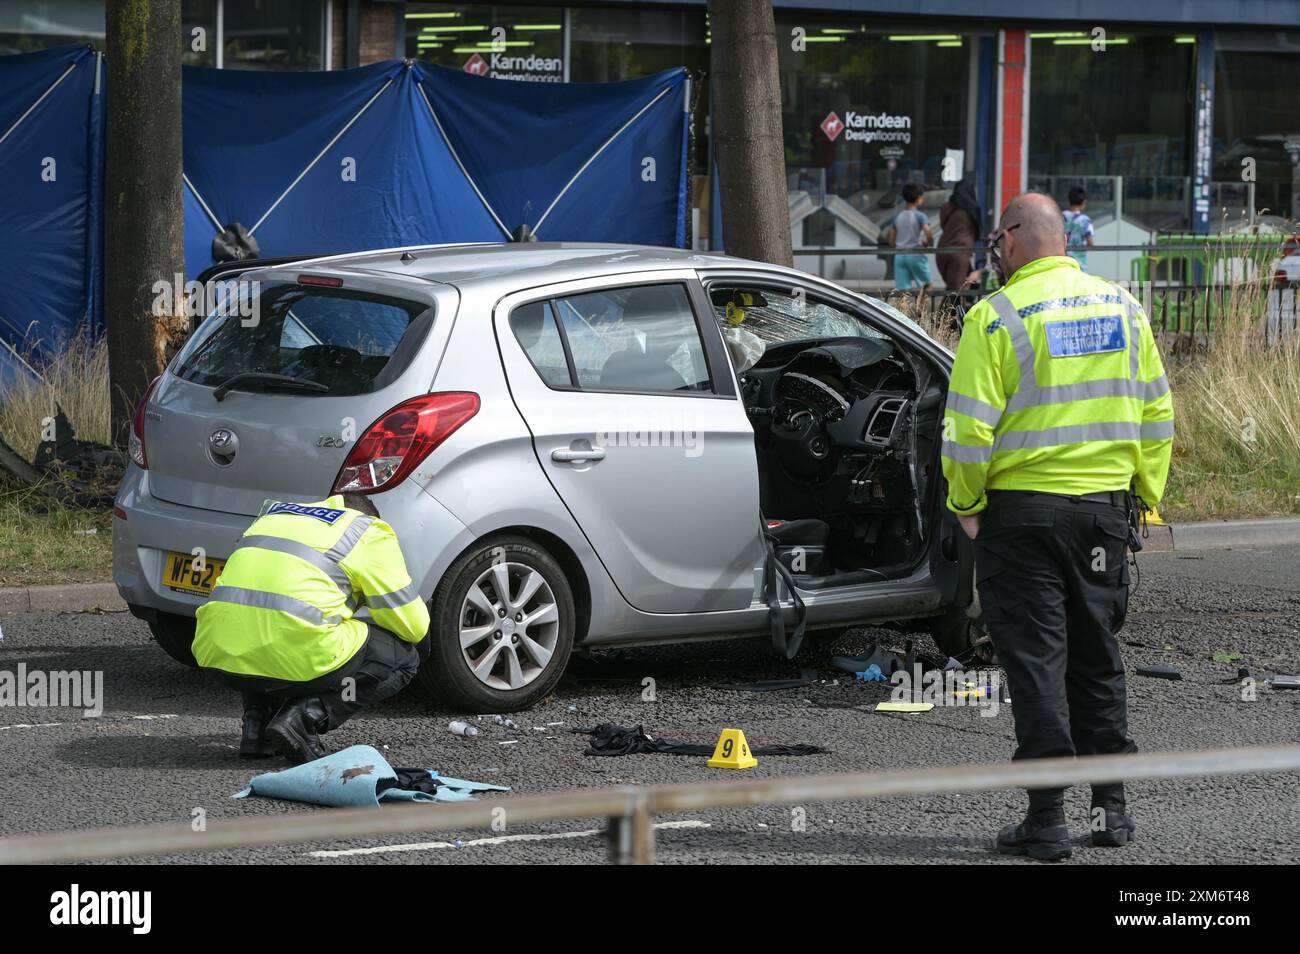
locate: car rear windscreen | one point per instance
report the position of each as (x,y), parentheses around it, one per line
(348,342)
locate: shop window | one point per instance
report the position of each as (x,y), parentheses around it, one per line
(1122,113)
(866,112)
(612,45)
(273,34)
(498,40)
(30,25)
(1257,126)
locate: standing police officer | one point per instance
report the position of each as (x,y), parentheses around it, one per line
(279,627)
(1058,407)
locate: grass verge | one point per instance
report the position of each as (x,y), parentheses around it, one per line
(1237,420)
(43,542)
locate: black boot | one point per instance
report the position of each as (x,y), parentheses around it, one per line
(294,730)
(253,743)
(1043,835)
(1119,830)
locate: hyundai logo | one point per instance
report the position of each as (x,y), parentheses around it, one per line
(222,445)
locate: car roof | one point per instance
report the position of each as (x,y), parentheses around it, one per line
(525,263)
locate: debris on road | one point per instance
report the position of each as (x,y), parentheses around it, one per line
(359,775)
(1284,682)
(806,677)
(884,659)
(904,706)
(1159,672)
(462,728)
(610,739)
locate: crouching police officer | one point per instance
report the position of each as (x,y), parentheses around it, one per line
(1058,406)
(279,626)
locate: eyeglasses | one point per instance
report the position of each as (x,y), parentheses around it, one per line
(995,238)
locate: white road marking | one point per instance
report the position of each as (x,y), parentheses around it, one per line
(26,725)
(498,840)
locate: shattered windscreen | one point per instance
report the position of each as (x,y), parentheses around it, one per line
(777,318)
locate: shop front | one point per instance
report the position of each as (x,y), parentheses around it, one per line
(1179,116)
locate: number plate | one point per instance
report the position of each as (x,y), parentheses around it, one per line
(181,573)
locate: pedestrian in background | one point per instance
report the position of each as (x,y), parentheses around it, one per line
(1058,405)
(959,224)
(911,230)
(1078,226)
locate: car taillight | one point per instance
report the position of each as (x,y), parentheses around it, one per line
(395,444)
(135,442)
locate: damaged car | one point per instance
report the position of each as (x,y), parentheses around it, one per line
(579,446)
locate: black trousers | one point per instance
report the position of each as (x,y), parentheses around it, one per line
(1053,585)
(380,668)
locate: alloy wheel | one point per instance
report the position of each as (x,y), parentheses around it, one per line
(509,626)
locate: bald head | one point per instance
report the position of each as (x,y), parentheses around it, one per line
(1039,233)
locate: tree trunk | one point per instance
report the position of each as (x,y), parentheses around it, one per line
(143,217)
(747,138)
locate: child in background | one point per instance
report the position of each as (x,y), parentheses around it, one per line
(911,228)
(1078,226)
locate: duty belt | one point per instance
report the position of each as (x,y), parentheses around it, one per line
(1116,498)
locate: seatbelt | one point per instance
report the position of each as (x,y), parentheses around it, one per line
(786,646)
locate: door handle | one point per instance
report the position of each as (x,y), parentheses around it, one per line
(565,455)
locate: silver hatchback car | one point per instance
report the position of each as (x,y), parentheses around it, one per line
(578,446)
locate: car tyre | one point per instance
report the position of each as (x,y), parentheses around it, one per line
(175,634)
(956,633)
(484,660)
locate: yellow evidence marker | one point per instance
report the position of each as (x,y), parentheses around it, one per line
(732,751)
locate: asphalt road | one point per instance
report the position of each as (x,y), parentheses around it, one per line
(165,744)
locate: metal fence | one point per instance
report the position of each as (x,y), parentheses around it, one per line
(1186,312)
(631,810)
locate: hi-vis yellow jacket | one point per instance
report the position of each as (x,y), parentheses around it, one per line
(282,606)
(1057,387)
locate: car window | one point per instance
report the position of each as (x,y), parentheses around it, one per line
(535,330)
(778,317)
(642,338)
(342,340)
(367,327)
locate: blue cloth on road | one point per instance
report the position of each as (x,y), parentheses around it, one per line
(871,674)
(351,778)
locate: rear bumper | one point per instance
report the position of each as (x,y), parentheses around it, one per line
(153,527)
(429,535)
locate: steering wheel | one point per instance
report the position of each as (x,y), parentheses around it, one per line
(804,406)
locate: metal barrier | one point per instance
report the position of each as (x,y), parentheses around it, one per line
(1183,312)
(631,809)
